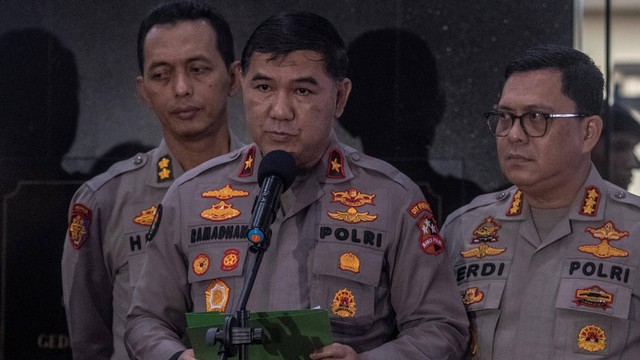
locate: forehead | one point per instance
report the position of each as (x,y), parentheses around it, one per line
(535,89)
(295,63)
(186,35)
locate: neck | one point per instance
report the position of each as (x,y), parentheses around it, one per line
(551,196)
(193,152)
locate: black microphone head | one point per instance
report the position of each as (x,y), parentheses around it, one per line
(278,163)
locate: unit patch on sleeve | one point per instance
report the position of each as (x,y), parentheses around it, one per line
(200,264)
(165,169)
(430,241)
(592,338)
(217,296)
(335,168)
(516,204)
(344,304)
(79,225)
(220,212)
(606,233)
(247,165)
(146,216)
(415,209)
(350,262)
(230,260)
(226,193)
(590,202)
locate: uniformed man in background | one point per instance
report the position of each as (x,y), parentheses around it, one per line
(187,74)
(548,268)
(353,236)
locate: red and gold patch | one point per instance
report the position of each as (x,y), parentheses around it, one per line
(79,225)
(415,209)
(472,295)
(217,296)
(590,202)
(146,216)
(230,260)
(352,216)
(486,232)
(344,304)
(516,204)
(605,234)
(592,338)
(249,160)
(352,197)
(430,241)
(335,168)
(594,297)
(226,193)
(350,262)
(200,264)
(165,169)
(220,212)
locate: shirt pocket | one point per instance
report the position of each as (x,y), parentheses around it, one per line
(344,281)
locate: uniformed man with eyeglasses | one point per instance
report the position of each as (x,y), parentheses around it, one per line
(548,268)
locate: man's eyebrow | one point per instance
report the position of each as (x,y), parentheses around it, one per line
(260,77)
(307,80)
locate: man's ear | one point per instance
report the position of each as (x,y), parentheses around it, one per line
(234,78)
(344,89)
(142,91)
(593,130)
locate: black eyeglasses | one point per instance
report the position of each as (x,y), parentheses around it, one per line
(534,124)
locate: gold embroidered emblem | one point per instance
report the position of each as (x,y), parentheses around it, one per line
(516,204)
(472,295)
(165,169)
(200,264)
(344,304)
(226,193)
(350,262)
(486,232)
(594,296)
(217,296)
(605,234)
(247,166)
(163,163)
(590,202)
(230,260)
(335,169)
(482,251)
(592,338)
(352,216)
(352,197)
(220,212)
(146,216)
(78,225)
(415,209)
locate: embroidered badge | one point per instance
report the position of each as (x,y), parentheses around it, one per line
(165,169)
(230,260)
(430,241)
(472,295)
(594,297)
(79,225)
(350,262)
(220,212)
(486,232)
(482,251)
(217,296)
(226,193)
(415,209)
(146,216)
(153,229)
(592,338)
(516,204)
(335,168)
(605,234)
(247,166)
(344,304)
(590,202)
(200,264)
(352,197)
(352,216)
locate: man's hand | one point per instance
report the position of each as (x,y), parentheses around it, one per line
(187,355)
(335,351)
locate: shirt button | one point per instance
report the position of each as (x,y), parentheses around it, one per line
(137,160)
(620,195)
(501,195)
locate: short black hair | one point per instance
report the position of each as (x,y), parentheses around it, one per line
(286,32)
(582,81)
(175,11)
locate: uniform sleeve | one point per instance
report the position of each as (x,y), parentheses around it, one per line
(156,322)
(86,280)
(430,317)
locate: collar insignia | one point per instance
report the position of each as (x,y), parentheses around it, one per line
(352,216)
(430,241)
(350,262)
(226,193)
(594,297)
(590,202)
(79,225)
(165,169)
(200,264)
(146,216)
(472,295)
(217,296)
(606,233)
(344,304)
(220,212)
(592,338)
(335,168)
(230,260)
(247,165)
(415,209)
(516,204)
(352,197)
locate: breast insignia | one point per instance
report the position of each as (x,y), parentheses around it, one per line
(606,233)
(592,338)
(220,212)
(344,304)
(146,216)
(217,296)
(226,193)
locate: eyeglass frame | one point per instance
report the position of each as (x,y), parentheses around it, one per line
(513,117)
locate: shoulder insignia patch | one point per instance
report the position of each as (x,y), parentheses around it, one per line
(352,197)
(153,229)
(217,296)
(247,165)
(165,169)
(590,202)
(146,216)
(516,204)
(592,338)
(230,260)
(415,209)
(335,168)
(200,264)
(472,295)
(344,304)
(352,216)
(430,241)
(605,234)
(220,212)
(226,193)
(79,225)
(350,262)
(594,297)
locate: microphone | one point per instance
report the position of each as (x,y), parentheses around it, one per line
(275,175)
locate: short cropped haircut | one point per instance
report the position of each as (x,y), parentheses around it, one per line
(176,11)
(286,32)
(582,81)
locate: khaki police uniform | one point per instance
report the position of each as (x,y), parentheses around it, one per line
(573,294)
(353,236)
(103,254)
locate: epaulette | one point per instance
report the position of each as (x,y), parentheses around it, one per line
(483,200)
(374,164)
(117,169)
(620,195)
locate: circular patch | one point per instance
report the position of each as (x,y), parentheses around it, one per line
(592,338)
(230,259)
(200,264)
(344,304)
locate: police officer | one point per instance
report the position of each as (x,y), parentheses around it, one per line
(185,54)
(353,235)
(548,269)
